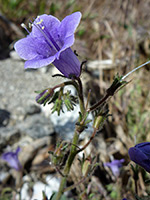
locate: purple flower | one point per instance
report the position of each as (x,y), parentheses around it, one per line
(12,159)
(140,154)
(49,42)
(115,166)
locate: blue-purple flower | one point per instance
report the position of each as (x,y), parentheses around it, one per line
(140,154)
(49,42)
(115,166)
(12,159)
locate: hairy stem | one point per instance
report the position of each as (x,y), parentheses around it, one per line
(69,162)
(78,130)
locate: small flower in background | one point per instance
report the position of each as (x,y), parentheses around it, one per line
(12,159)
(49,42)
(140,154)
(115,166)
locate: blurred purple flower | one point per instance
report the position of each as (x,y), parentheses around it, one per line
(49,42)
(12,159)
(140,154)
(115,166)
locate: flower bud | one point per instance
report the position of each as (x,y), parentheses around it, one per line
(98,122)
(44,96)
(86,167)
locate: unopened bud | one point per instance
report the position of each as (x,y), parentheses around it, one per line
(86,167)
(98,122)
(44,96)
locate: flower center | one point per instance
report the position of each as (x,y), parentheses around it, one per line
(40,26)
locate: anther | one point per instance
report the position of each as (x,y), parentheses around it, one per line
(39,22)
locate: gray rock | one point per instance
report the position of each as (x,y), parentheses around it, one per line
(8,136)
(65,123)
(36,126)
(32,109)
(4,117)
(17,85)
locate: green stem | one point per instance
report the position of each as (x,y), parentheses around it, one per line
(81,98)
(69,162)
(73,150)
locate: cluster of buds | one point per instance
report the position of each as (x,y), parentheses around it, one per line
(88,165)
(57,157)
(58,98)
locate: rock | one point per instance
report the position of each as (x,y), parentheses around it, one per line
(28,152)
(51,186)
(36,126)
(8,136)
(14,55)
(32,109)
(65,123)
(18,85)
(4,117)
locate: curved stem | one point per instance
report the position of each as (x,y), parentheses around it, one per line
(90,140)
(98,104)
(81,98)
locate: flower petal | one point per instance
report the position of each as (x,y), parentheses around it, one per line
(48,22)
(38,62)
(67,43)
(137,156)
(12,159)
(26,48)
(18,150)
(68,63)
(30,47)
(69,24)
(144,147)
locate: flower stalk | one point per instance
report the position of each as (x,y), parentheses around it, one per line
(69,162)
(73,150)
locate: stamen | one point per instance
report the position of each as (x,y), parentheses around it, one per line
(25,27)
(125,76)
(50,40)
(30,25)
(41,30)
(39,22)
